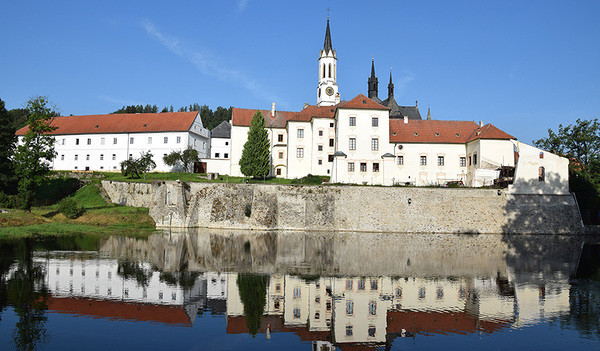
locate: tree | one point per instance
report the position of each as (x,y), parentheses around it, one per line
(579,142)
(7,147)
(35,153)
(256,154)
(134,167)
(253,292)
(184,159)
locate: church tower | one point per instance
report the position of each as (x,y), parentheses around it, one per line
(373,84)
(327,91)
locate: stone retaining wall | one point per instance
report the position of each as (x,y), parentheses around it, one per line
(349,208)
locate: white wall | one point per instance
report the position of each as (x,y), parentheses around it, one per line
(526,180)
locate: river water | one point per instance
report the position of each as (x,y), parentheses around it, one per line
(228,290)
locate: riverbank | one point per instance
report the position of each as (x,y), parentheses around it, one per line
(100,217)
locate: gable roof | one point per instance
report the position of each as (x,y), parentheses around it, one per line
(444,132)
(121,123)
(361,102)
(222,131)
(243,116)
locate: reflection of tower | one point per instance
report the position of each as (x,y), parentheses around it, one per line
(327,91)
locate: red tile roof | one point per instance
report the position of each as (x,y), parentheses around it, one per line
(444,132)
(243,116)
(442,322)
(313,111)
(361,102)
(119,310)
(122,123)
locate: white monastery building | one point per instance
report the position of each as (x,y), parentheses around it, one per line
(101,142)
(369,141)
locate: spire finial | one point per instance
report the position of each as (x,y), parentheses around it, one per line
(390,86)
(327,46)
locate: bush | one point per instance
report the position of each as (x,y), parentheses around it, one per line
(70,208)
(7,201)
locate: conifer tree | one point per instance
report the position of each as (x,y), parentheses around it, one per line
(255,155)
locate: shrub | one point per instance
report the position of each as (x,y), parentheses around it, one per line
(7,201)
(70,208)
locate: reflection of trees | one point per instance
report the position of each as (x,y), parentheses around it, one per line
(253,293)
(26,292)
(584,304)
(134,270)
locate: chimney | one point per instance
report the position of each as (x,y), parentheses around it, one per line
(305,105)
(480,124)
(273,110)
(429,114)
(405,120)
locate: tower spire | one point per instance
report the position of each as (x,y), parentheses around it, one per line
(372,82)
(390,86)
(327,47)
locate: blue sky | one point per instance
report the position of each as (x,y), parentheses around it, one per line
(524,66)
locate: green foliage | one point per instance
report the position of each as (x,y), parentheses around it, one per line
(256,153)
(53,190)
(182,160)
(70,208)
(137,109)
(18,117)
(33,157)
(7,147)
(133,270)
(253,293)
(7,201)
(311,180)
(136,166)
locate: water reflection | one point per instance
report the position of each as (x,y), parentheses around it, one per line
(334,290)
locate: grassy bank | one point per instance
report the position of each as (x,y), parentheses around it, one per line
(99,217)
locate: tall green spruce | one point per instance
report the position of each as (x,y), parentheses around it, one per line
(34,155)
(7,147)
(255,156)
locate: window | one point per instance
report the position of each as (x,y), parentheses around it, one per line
(179,141)
(76,157)
(422,293)
(63,142)
(372,331)
(352,121)
(320,161)
(300,152)
(542,174)
(276,305)
(328,305)
(374,144)
(463,161)
(330,158)
(373,308)
(330,125)
(541,154)
(130,156)
(398,293)
(361,284)
(62,157)
(278,171)
(319,147)
(297,292)
(375,167)
(440,160)
(440,293)
(296,313)
(318,299)
(149,140)
(87,157)
(349,308)
(166,140)
(423,160)
(217,155)
(226,155)
(77,141)
(320,133)
(374,122)
(102,141)
(114,140)
(280,154)
(350,166)
(300,133)
(352,144)
(131,140)
(400,160)
(349,284)
(349,330)
(280,138)
(363,166)
(469,160)
(331,142)
(114,157)
(474,159)
(373,284)
(101,157)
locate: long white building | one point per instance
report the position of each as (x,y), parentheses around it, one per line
(101,142)
(369,141)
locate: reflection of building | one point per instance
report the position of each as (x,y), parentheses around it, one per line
(127,290)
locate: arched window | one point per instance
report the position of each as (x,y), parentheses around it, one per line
(329,70)
(542,174)
(334,72)
(324,70)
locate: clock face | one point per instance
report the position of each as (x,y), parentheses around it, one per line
(329,91)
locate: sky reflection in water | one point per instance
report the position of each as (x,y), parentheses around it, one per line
(235,290)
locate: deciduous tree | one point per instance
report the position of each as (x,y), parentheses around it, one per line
(184,159)
(134,167)
(7,147)
(35,153)
(256,153)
